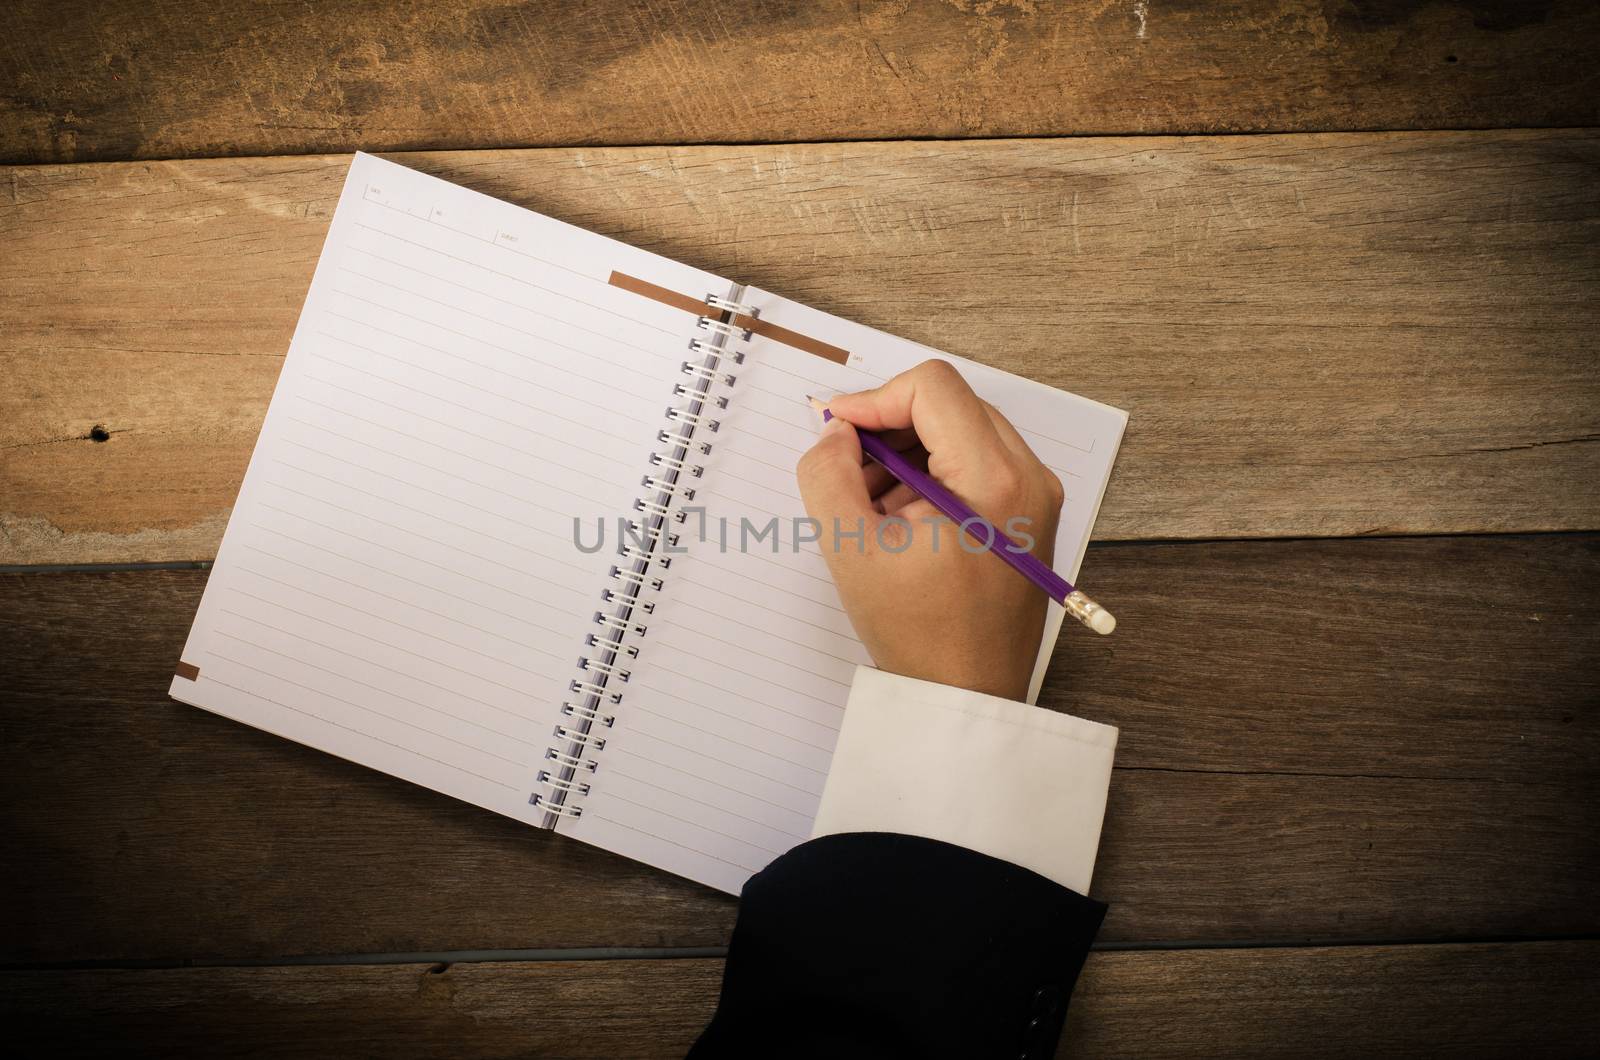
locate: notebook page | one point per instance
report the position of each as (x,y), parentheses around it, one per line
(398,583)
(719,753)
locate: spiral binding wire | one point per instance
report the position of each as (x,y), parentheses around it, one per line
(641,560)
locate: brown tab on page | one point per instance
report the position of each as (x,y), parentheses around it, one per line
(761,327)
(793,338)
(187,671)
(660,294)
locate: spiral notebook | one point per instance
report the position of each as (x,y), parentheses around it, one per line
(414,575)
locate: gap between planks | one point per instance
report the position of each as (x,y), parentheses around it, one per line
(447,958)
(207,564)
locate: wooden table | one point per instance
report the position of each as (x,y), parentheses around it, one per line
(1350,538)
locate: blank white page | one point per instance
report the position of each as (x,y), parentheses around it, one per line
(398,583)
(716,762)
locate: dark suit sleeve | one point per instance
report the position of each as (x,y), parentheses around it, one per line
(870,944)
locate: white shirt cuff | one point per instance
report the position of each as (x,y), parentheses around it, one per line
(1019,783)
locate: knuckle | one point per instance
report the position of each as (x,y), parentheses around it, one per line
(934,370)
(1055,493)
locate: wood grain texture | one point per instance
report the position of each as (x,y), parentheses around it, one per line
(1286,772)
(1494,1000)
(1484,1000)
(1315,335)
(87,80)
(1422,658)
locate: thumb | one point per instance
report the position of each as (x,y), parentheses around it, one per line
(832,484)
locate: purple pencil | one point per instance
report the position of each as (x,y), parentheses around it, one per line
(981,530)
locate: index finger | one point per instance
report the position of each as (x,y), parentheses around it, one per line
(935,401)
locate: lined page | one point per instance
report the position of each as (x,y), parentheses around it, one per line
(398,583)
(721,746)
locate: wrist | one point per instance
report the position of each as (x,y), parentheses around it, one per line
(1003,683)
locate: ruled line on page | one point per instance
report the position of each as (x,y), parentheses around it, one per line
(773,610)
(660,682)
(742,719)
(587,571)
(383,570)
(543,412)
(418,559)
(429,659)
(362,733)
(770,362)
(520,765)
(452,498)
(676,844)
(432,635)
(573,401)
(380,690)
(561,366)
(756,631)
(707,491)
(796,606)
(793,567)
(587,277)
(690,722)
(799,558)
(660,355)
(502,247)
(700,778)
(455,307)
(592,453)
(746,414)
(612,339)
(722,471)
(470,459)
(703,827)
(611,794)
(711,734)
(720,665)
(789,471)
(584,570)
(565,635)
(713,807)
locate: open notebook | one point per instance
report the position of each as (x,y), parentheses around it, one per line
(401,583)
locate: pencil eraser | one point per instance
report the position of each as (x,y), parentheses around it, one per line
(1102,622)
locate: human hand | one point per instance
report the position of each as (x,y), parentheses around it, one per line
(925,606)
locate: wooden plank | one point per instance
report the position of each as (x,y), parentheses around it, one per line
(1480,1000)
(1486,1000)
(1285,773)
(1316,336)
(1467,658)
(87,81)
(608,1010)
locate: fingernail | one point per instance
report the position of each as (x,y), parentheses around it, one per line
(833,426)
